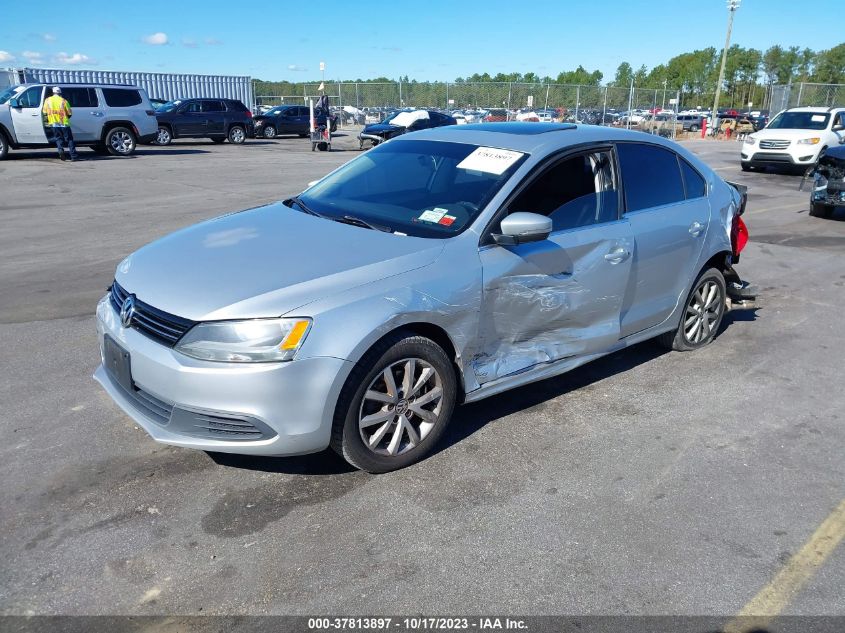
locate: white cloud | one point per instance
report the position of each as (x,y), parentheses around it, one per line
(213,41)
(48,37)
(155,39)
(297,68)
(72,60)
(6,57)
(34,58)
(189,43)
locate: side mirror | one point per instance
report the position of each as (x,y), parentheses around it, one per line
(14,103)
(522,227)
(838,128)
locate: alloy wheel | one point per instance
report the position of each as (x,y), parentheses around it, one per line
(163,137)
(703,312)
(269,132)
(121,142)
(400,407)
(237,135)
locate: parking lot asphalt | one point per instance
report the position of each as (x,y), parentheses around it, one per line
(644,483)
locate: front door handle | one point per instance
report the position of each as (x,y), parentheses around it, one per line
(695,229)
(617,256)
(97,113)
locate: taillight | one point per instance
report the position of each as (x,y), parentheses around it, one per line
(739,235)
(249,114)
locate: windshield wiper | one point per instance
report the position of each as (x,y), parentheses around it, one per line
(296,200)
(351,219)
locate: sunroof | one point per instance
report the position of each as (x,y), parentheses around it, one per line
(515,127)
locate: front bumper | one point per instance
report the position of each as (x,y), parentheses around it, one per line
(174,397)
(750,155)
(374,138)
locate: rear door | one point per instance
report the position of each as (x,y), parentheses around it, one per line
(87,120)
(26,117)
(562,297)
(667,206)
(215,114)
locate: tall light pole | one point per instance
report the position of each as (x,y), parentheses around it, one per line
(733,5)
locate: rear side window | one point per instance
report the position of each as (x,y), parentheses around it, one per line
(693,182)
(80,97)
(237,106)
(650,175)
(121,97)
(212,106)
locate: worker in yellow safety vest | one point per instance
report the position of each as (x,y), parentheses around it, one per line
(57,113)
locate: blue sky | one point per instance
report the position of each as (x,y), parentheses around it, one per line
(431,40)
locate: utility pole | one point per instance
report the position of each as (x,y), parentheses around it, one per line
(733,5)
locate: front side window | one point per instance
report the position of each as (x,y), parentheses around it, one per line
(574,192)
(121,97)
(651,176)
(419,188)
(193,107)
(31,98)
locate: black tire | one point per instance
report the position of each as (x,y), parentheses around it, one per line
(4,146)
(237,135)
(693,128)
(347,438)
(678,339)
(745,166)
(270,131)
(120,141)
(819,210)
(217,139)
(322,146)
(164,135)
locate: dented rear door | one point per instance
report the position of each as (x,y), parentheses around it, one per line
(553,299)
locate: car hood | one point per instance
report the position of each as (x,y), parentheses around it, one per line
(265,262)
(381,128)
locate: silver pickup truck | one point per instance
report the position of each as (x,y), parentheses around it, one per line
(109,118)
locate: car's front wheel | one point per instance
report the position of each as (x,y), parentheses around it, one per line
(702,315)
(270,132)
(4,146)
(395,404)
(819,210)
(164,137)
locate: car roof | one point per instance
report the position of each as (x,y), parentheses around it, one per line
(74,84)
(819,109)
(523,136)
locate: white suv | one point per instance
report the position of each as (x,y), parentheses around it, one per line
(109,118)
(795,137)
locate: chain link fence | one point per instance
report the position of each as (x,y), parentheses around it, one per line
(806,94)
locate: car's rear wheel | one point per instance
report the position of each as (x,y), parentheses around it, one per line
(702,315)
(819,210)
(163,137)
(395,404)
(270,132)
(120,141)
(237,135)
(693,128)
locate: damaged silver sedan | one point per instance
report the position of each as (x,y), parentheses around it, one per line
(441,267)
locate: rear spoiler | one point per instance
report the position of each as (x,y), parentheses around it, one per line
(743,195)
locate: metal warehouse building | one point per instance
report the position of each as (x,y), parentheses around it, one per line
(158,85)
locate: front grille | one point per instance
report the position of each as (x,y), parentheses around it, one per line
(157,410)
(774,144)
(154,323)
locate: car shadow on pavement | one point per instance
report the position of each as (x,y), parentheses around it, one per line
(326,462)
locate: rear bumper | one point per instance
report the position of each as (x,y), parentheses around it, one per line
(146,139)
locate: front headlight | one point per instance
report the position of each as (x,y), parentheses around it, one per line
(256,341)
(809,141)
(750,140)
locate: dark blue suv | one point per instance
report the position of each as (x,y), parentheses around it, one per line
(217,119)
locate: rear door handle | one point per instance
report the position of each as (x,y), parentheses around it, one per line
(695,229)
(97,113)
(617,256)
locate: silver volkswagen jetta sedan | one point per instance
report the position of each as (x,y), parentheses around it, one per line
(441,267)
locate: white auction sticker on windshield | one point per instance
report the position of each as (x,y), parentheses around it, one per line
(490,160)
(433,215)
(817,118)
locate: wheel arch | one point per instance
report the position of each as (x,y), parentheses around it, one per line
(108,126)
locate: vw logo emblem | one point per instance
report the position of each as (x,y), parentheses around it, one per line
(127,311)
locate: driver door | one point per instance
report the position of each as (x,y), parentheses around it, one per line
(27,118)
(561,297)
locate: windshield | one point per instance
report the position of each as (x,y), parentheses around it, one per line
(799,121)
(170,106)
(8,93)
(419,188)
(275,111)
